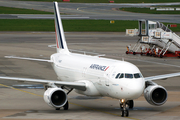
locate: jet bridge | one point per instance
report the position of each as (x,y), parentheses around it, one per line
(161,41)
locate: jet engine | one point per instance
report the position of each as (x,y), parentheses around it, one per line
(55,97)
(155,95)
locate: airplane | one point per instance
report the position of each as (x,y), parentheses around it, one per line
(94,76)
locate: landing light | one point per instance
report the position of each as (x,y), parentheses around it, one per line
(122,100)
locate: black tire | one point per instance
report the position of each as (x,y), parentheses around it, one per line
(57,108)
(131,104)
(127,52)
(161,56)
(127,113)
(134,53)
(66,106)
(122,115)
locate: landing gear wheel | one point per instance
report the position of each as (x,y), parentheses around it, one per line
(124,107)
(57,108)
(125,113)
(161,56)
(66,106)
(122,115)
(131,104)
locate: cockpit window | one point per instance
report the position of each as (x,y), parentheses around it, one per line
(122,75)
(117,76)
(137,75)
(128,75)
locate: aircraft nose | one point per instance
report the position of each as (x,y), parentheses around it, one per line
(136,88)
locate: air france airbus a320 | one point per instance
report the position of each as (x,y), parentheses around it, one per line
(95,76)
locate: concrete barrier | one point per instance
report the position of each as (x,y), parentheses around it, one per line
(165,9)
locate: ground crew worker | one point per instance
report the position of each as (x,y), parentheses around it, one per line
(157,50)
(143,48)
(129,48)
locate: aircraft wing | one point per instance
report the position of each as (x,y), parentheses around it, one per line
(76,85)
(24,58)
(161,77)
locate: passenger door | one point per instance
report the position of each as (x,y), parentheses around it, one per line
(107,75)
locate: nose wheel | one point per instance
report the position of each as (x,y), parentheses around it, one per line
(124,105)
(125,113)
(124,110)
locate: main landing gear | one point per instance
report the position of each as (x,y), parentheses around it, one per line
(66,106)
(125,105)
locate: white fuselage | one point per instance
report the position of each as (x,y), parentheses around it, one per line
(99,74)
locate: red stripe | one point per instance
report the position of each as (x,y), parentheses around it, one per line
(106,68)
(56,38)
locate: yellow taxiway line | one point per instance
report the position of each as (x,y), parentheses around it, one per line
(69,102)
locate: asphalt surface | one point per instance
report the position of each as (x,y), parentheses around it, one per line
(23,103)
(106,11)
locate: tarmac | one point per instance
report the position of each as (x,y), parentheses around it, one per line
(93,11)
(24,101)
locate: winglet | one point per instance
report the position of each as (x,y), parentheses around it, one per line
(60,37)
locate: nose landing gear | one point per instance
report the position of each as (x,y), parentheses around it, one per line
(125,111)
(125,105)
